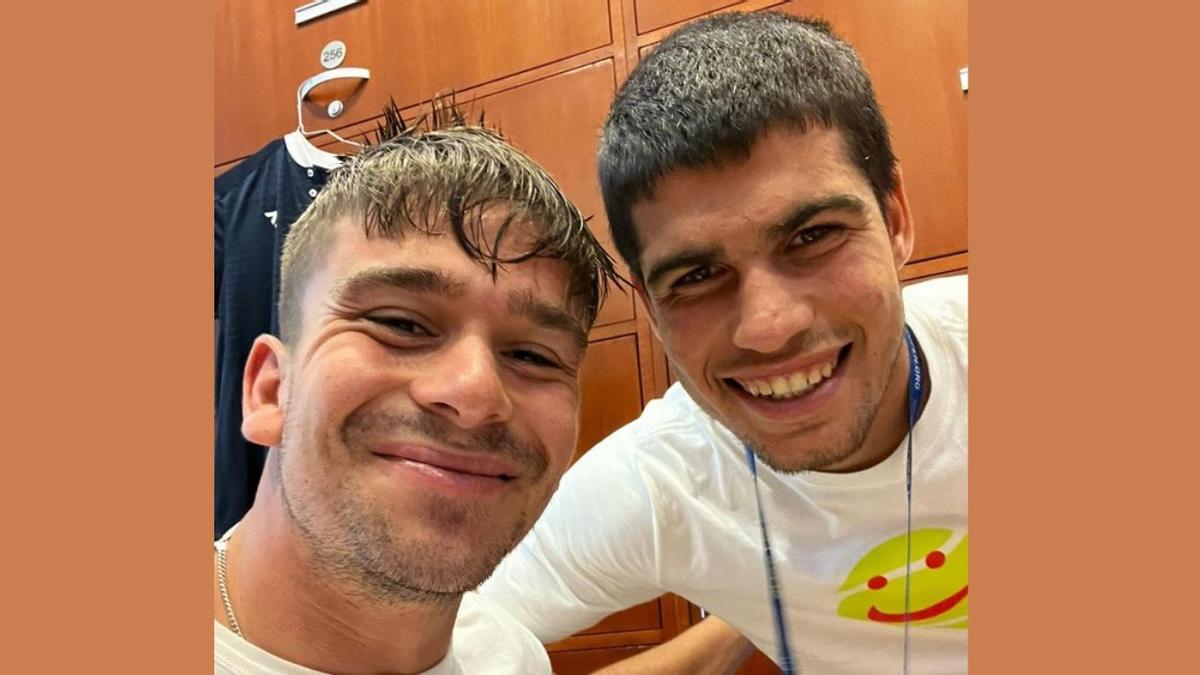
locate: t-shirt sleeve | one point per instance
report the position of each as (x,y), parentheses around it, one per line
(488,640)
(593,551)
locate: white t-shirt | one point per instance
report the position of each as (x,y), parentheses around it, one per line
(666,503)
(487,640)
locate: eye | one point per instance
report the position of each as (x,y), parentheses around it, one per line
(533,358)
(402,326)
(877,582)
(694,277)
(812,235)
(935,559)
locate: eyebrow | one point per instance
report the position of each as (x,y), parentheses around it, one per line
(548,316)
(800,215)
(687,257)
(412,279)
(805,211)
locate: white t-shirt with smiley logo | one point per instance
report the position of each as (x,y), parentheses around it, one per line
(666,503)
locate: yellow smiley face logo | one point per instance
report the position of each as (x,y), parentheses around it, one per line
(874,589)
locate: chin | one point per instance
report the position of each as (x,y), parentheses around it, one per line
(788,456)
(797,462)
(441,567)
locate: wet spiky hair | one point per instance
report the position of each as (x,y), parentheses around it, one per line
(441,174)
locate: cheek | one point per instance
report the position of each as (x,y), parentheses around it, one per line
(874,303)
(865,288)
(553,418)
(688,336)
(340,379)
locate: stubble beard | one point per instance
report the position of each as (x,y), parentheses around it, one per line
(816,457)
(822,457)
(357,545)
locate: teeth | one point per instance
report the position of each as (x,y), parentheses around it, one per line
(779,386)
(782,388)
(799,382)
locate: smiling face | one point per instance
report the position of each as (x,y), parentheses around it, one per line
(773,284)
(938,584)
(428,410)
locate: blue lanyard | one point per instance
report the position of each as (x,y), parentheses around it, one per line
(786,663)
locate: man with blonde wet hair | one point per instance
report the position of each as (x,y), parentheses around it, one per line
(419,405)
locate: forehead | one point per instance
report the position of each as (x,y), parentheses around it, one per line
(351,252)
(743,195)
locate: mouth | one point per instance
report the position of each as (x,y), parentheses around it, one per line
(936,609)
(448,470)
(789,383)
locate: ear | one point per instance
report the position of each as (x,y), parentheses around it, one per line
(262,392)
(641,292)
(899,221)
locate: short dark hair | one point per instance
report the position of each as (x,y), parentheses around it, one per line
(442,176)
(712,88)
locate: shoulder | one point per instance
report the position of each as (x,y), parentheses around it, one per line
(487,639)
(940,292)
(673,421)
(942,302)
(670,441)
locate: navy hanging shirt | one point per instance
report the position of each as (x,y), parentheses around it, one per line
(254,204)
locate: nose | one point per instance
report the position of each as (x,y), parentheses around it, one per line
(464,385)
(771,311)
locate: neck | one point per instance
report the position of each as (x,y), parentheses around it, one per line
(891,421)
(285,606)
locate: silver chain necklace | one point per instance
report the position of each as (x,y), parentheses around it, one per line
(222,546)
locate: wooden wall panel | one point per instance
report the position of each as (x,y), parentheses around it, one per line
(913,50)
(414,48)
(611,390)
(652,14)
(652,36)
(934,267)
(639,617)
(557,121)
(589,660)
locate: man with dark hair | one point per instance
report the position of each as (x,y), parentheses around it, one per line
(751,187)
(420,406)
